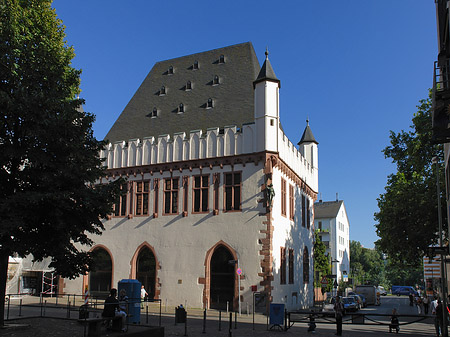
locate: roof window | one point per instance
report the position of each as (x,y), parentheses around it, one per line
(162,91)
(188,85)
(221,59)
(180,108)
(170,70)
(216,80)
(195,65)
(154,112)
(209,104)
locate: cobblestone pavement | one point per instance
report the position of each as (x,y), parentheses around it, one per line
(55,324)
(54,327)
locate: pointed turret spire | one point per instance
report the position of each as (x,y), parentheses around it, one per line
(307,136)
(266,73)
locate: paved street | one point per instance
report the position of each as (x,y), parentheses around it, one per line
(244,322)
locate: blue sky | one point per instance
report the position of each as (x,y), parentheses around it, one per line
(356,68)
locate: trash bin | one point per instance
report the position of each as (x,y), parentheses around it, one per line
(83,312)
(133,290)
(180,315)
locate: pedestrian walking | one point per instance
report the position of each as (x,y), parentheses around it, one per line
(339,312)
(438,318)
(143,295)
(419,305)
(426,304)
(411,299)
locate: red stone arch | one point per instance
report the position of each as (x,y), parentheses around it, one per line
(133,268)
(206,280)
(86,277)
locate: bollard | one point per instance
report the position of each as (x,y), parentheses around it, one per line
(160,308)
(204,321)
(20,307)
(45,306)
(68,310)
(9,301)
(41,305)
(185,326)
(227,307)
(235,319)
(230,326)
(146,314)
(247,309)
(220,320)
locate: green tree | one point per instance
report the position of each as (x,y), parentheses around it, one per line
(322,265)
(367,265)
(50,201)
(408,217)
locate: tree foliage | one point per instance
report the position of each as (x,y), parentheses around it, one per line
(366,265)
(322,265)
(49,158)
(408,216)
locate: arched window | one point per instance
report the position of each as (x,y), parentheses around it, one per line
(101,273)
(146,270)
(305,266)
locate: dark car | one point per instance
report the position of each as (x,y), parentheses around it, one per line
(362,297)
(358,300)
(349,304)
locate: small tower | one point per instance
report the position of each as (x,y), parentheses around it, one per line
(267,117)
(308,147)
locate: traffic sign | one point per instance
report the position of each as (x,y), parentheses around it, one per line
(324,281)
(239,271)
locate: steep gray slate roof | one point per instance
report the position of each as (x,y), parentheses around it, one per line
(266,72)
(327,209)
(307,136)
(232,98)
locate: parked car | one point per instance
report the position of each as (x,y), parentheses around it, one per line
(328,306)
(361,296)
(403,290)
(382,291)
(358,300)
(349,304)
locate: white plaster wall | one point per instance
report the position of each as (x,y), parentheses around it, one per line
(181,242)
(291,234)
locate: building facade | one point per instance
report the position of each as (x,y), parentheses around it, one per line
(331,221)
(217,202)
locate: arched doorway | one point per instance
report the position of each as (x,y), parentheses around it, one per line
(222,279)
(101,274)
(146,270)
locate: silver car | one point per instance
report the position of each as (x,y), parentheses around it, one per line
(328,306)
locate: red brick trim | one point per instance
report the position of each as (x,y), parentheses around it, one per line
(157,267)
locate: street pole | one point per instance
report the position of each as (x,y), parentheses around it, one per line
(239,290)
(443,271)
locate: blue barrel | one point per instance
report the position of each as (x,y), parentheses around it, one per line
(133,292)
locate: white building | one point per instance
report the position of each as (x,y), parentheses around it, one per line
(200,145)
(330,219)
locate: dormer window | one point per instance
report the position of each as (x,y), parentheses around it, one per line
(216,80)
(209,104)
(188,85)
(162,91)
(180,108)
(154,112)
(195,65)
(170,70)
(221,59)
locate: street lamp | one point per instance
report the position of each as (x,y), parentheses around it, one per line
(435,160)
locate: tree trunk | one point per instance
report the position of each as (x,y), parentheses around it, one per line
(4,256)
